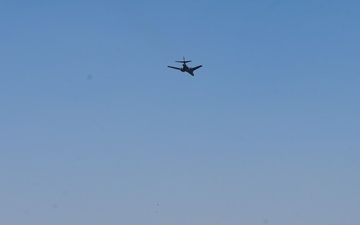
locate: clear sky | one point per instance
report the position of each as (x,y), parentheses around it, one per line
(95,129)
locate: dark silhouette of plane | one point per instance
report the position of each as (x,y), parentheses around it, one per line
(185,68)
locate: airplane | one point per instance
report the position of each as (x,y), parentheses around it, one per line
(185,68)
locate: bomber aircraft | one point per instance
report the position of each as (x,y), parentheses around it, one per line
(185,68)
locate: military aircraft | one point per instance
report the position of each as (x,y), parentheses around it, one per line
(185,68)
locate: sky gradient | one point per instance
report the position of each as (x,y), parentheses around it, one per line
(95,129)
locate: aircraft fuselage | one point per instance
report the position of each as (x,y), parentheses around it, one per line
(187,69)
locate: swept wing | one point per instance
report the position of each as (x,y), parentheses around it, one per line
(173,67)
(196,67)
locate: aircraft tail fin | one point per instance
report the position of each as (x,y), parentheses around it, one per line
(183,61)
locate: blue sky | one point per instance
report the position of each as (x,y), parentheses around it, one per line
(95,129)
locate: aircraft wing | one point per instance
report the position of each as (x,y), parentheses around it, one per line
(174,67)
(196,67)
